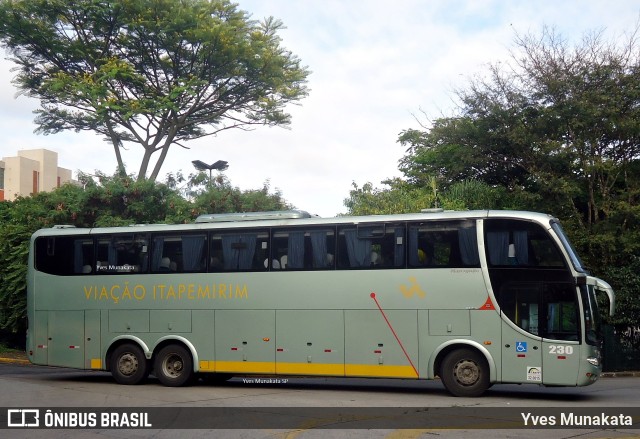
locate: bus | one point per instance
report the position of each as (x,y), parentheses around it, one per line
(475,298)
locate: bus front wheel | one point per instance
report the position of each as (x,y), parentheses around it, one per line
(174,366)
(128,364)
(465,372)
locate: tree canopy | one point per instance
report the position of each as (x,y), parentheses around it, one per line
(155,73)
(559,121)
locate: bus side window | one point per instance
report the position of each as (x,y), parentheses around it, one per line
(64,256)
(375,246)
(240,251)
(307,249)
(520,243)
(179,253)
(122,254)
(451,244)
(320,249)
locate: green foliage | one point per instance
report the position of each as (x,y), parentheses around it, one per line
(625,280)
(403,197)
(400,197)
(150,72)
(123,200)
(13,276)
(223,197)
(474,194)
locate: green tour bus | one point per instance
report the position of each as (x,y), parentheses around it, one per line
(473,297)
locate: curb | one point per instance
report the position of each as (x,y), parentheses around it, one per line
(7,360)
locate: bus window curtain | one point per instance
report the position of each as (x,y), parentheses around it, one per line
(521,244)
(498,248)
(358,249)
(414,260)
(192,252)
(113,253)
(238,251)
(156,257)
(468,242)
(319,246)
(229,253)
(295,250)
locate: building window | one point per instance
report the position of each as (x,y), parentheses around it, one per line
(36,181)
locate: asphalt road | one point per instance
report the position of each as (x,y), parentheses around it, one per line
(300,407)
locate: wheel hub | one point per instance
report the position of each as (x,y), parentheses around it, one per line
(128,364)
(467,372)
(174,365)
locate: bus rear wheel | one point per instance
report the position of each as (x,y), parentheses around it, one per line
(128,364)
(465,372)
(174,366)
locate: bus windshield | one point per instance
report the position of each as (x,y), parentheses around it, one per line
(575,259)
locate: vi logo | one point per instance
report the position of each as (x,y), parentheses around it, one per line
(413,289)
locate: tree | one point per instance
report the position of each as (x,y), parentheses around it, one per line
(587,104)
(150,72)
(558,121)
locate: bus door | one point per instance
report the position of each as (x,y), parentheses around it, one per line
(540,328)
(561,334)
(521,345)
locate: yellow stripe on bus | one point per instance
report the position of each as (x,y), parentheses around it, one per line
(355,370)
(207,366)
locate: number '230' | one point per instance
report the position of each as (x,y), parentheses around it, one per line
(558,349)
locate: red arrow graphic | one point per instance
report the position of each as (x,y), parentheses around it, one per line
(373,296)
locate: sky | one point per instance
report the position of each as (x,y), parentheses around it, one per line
(378,68)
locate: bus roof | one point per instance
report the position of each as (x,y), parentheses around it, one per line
(292,218)
(252,216)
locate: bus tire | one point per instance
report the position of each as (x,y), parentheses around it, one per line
(174,366)
(128,364)
(465,372)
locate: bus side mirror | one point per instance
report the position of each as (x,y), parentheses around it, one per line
(601,285)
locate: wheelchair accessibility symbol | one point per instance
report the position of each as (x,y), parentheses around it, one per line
(521,346)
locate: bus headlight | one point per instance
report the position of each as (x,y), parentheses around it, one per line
(593,361)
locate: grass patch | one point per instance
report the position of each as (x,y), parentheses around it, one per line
(4,349)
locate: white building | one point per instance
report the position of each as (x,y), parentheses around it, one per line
(30,172)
